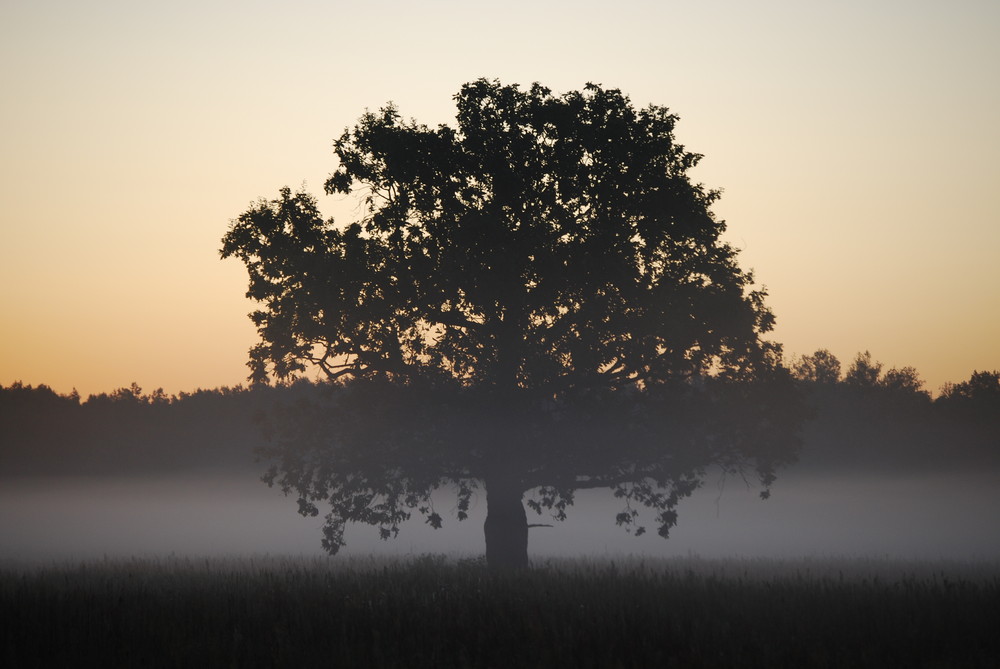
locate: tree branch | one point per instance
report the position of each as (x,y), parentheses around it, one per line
(454,318)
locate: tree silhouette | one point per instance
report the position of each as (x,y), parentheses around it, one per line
(534,301)
(864,372)
(820,367)
(128,431)
(982,388)
(904,380)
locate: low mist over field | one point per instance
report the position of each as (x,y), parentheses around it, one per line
(880,474)
(916,516)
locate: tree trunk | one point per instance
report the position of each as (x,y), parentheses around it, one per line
(506,526)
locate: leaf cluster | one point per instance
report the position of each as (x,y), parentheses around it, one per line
(546,241)
(540,292)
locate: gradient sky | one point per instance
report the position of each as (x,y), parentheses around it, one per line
(856,142)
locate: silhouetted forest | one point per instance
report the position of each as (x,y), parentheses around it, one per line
(43,432)
(863,417)
(884,420)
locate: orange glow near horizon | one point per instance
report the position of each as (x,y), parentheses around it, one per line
(856,147)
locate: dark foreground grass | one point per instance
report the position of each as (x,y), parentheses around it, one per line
(433,612)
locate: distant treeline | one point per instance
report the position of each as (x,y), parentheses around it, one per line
(43,432)
(870,418)
(864,417)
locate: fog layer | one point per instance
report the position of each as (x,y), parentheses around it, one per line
(919,516)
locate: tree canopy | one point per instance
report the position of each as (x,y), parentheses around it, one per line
(535,300)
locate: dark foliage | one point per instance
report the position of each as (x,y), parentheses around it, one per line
(885,427)
(537,299)
(980,394)
(877,421)
(126,431)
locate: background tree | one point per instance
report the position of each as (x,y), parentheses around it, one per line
(864,372)
(904,380)
(982,388)
(128,431)
(820,367)
(537,300)
(973,406)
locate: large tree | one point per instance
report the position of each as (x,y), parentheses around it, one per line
(534,301)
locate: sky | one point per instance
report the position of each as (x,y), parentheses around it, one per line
(855,143)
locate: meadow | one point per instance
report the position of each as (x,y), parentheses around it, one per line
(449,612)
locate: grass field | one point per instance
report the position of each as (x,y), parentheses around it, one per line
(440,612)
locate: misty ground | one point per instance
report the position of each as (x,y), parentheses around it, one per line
(916,515)
(882,473)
